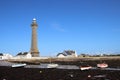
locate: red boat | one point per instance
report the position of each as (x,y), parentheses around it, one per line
(102,65)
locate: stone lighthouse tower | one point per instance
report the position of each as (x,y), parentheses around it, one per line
(34,49)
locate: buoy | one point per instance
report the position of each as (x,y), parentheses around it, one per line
(40,71)
(89,76)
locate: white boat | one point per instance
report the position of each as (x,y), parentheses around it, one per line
(102,65)
(50,65)
(18,65)
(68,67)
(85,67)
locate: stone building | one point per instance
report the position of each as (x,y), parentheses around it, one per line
(34,48)
(67,53)
(5,56)
(21,55)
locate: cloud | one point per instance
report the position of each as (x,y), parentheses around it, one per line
(57,27)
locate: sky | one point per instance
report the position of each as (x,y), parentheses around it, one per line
(86,26)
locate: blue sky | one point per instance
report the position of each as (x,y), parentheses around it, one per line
(87,26)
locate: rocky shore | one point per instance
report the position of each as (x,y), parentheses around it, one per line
(111,61)
(10,73)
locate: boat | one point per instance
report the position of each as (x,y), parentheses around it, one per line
(85,67)
(102,65)
(52,65)
(18,65)
(48,65)
(68,67)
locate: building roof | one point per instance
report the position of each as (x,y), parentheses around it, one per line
(69,52)
(24,53)
(62,54)
(1,54)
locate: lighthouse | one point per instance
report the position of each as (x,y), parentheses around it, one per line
(34,48)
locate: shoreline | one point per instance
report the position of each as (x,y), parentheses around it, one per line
(29,73)
(56,74)
(112,61)
(41,59)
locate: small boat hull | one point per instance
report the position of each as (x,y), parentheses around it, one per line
(102,65)
(18,65)
(85,68)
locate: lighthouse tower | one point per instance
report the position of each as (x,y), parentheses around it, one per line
(34,49)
